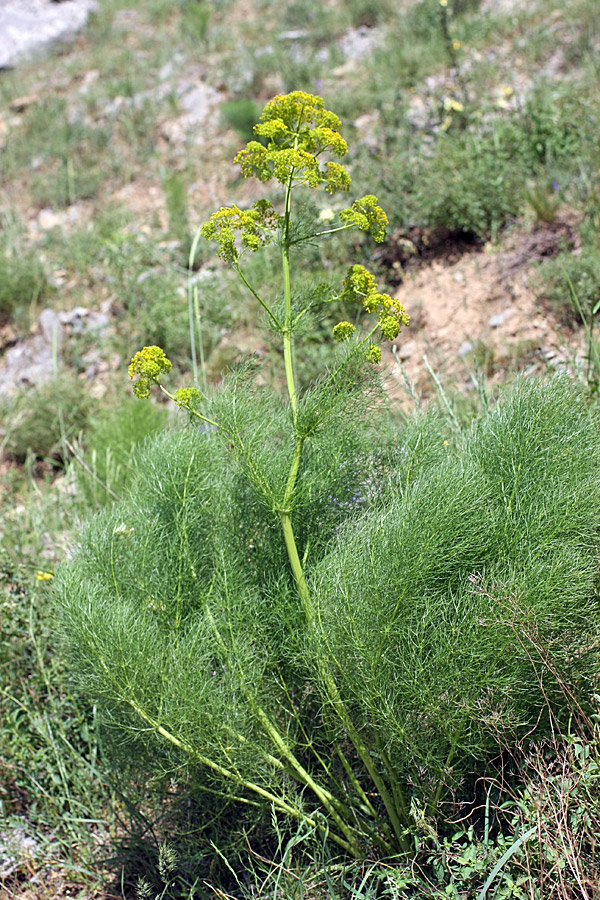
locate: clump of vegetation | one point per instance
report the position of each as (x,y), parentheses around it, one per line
(241,115)
(367,611)
(112,443)
(570,285)
(38,421)
(23,283)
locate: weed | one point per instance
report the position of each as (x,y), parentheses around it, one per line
(241,115)
(556,281)
(106,466)
(37,421)
(350,599)
(195,16)
(23,283)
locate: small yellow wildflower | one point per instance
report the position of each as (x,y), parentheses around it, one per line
(443,2)
(456,45)
(44,576)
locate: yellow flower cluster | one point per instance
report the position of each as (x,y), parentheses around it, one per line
(360,285)
(188,398)
(368,216)
(343,331)
(149,364)
(299,129)
(44,576)
(373,354)
(256,227)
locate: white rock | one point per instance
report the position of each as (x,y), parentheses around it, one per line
(51,329)
(500,318)
(31,26)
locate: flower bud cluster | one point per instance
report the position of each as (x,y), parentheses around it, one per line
(343,331)
(360,285)
(298,129)
(188,398)
(373,354)
(368,216)
(149,364)
(255,227)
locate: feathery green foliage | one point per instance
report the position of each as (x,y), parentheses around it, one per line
(448,578)
(310,612)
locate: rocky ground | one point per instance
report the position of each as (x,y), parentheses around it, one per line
(28,27)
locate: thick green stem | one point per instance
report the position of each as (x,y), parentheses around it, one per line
(278,802)
(324,796)
(332,689)
(292,549)
(350,845)
(297,570)
(287,296)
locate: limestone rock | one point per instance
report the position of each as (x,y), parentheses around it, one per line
(32,26)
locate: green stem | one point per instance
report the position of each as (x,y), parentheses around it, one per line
(395,781)
(298,771)
(297,570)
(254,293)
(290,540)
(332,689)
(332,230)
(310,237)
(287,295)
(192,411)
(231,775)
(324,796)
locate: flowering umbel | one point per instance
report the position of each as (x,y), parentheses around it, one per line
(368,216)
(149,364)
(255,227)
(188,398)
(359,284)
(298,129)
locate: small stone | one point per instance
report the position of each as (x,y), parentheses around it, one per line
(83,321)
(465,348)
(405,351)
(20,104)
(296,35)
(30,362)
(51,329)
(500,318)
(96,321)
(359,42)
(48,219)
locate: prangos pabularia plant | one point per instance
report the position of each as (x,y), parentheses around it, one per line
(284,603)
(300,132)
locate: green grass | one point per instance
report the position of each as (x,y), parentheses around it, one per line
(23,283)
(38,421)
(570,285)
